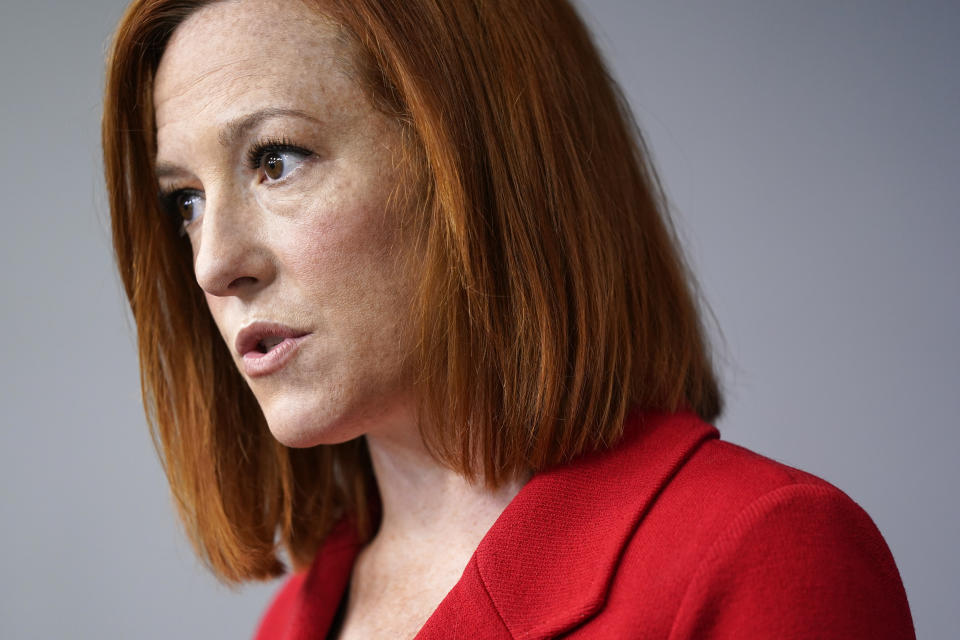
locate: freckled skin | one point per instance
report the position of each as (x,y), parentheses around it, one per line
(317,251)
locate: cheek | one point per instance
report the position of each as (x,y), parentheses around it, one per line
(351,272)
(345,242)
(217,307)
(348,271)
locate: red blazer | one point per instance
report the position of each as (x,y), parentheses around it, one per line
(671,534)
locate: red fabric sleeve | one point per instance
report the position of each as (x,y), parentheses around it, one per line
(802,561)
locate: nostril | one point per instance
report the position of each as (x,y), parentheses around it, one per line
(241,281)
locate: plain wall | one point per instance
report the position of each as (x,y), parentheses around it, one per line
(812,154)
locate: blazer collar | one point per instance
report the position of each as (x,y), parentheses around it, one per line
(546,564)
(548,561)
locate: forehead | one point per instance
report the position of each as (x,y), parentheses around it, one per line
(233,56)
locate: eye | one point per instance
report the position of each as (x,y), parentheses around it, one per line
(276,165)
(277,160)
(185,204)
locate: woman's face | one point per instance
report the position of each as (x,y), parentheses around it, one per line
(282,172)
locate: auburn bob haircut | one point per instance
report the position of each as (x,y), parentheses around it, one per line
(553,297)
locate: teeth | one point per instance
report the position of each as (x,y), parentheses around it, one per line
(269,343)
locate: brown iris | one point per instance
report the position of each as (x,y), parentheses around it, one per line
(273,165)
(185,203)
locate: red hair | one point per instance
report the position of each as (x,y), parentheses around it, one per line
(553,295)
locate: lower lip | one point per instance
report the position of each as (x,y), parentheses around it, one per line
(256,364)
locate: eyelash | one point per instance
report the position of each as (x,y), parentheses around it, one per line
(272,145)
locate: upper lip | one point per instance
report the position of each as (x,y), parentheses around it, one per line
(251,335)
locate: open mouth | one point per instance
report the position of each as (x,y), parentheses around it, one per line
(267,344)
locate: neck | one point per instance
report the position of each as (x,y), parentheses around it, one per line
(425,503)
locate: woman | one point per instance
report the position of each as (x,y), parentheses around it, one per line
(410,311)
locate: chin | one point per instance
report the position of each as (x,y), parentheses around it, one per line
(301,425)
(301,433)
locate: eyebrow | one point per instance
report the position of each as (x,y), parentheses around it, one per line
(237,129)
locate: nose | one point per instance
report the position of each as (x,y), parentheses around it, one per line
(231,258)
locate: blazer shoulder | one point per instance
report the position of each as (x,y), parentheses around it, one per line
(725,487)
(800,560)
(729,477)
(742,469)
(760,549)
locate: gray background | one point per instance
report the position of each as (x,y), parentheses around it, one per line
(811,150)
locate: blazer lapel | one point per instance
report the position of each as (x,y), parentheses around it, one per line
(323,587)
(546,564)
